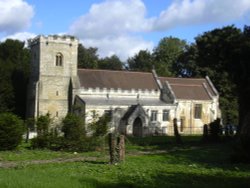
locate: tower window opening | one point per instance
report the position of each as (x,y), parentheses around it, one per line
(59,59)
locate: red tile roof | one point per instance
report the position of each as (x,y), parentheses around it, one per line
(183,88)
(92,78)
(190,88)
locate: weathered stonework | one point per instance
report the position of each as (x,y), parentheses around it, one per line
(57,87)
(50,83)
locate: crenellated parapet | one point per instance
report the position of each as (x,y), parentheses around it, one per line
(64,39)
(118,91)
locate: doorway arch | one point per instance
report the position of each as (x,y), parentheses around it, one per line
(137,127)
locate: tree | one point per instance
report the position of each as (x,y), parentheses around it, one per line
(6,88)
(214,54)
(11,131)
(73,127)
(167,54)
(14,73)
(99,125)
(242,78)
(43,124)
(143,61)
(110,63)
(87,57)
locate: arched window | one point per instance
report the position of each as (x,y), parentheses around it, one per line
(59,59)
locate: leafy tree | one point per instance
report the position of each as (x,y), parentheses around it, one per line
(6,88)
(43,124)
(14,73)
(73,127)
(11,131)
(242,78)
(187,66)
(110,63)
(167,54)
(214,54)
(99,126)
(87,57)
(143,61)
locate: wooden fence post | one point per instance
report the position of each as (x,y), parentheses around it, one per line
(121,148)
(176,133)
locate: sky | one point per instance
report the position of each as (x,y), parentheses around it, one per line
(119,27)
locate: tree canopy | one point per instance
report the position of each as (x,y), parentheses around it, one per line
(88,58)
(143,61)
(14,73)
(166,55)
(214,54)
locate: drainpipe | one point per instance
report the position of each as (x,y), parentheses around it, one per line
(191,114)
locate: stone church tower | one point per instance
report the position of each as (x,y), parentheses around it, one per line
(53,75)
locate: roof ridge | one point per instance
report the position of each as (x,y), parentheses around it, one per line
(182,78)
(106,70)
(176,84)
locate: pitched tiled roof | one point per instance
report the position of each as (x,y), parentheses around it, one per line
(91,78)
(190,88)
(183,88)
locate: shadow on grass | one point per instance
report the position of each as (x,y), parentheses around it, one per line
(192,151)
(161,142)
(168,180)
(95,162)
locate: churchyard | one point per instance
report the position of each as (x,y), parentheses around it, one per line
(149,162)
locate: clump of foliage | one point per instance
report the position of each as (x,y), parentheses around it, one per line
(99,127)
(11,131)
(212,132)
(215,130)
(42,140)
(14,73)
(73,127)
(75,138)
(74,133)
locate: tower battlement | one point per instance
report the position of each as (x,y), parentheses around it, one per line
(66,39)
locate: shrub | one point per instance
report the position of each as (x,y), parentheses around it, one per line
(42,140)
(75,138)
(215,130)
(11,131)
(100,127)
(73,127)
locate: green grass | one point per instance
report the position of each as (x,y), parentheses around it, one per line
(191,165)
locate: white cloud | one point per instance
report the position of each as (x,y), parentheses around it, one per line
(114,25)
(122,46)
(108,26)
(191,12)
(112,17)
(15,15)
(23,36)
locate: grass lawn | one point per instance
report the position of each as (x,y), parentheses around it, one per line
(152,162)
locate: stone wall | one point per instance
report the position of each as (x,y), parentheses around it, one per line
(51,81)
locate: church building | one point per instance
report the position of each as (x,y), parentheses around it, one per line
(139,103)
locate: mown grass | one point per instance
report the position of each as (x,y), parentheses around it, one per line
(190,165)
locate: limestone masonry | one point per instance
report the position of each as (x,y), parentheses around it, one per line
(139,103)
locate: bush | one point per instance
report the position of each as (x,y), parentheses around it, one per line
(73,128)
(100,127)
(42,140)
(75,138)
(215,130)
(11,131)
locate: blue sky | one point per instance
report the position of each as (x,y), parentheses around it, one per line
(121,27)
